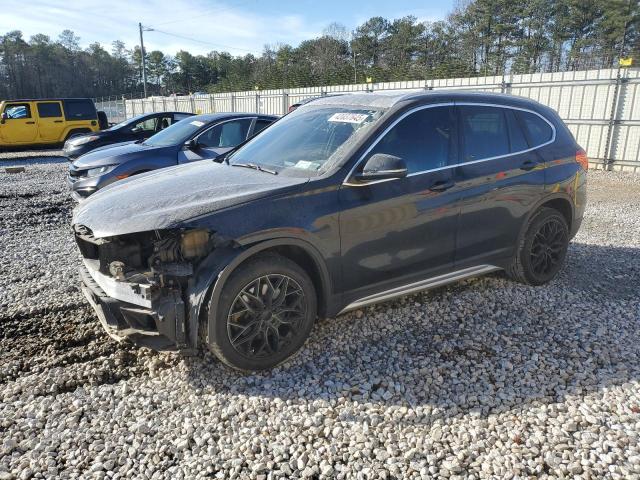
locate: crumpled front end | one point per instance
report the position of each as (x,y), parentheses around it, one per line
(138,283)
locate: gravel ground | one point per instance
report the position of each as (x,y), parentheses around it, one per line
(13,155)
(483,379)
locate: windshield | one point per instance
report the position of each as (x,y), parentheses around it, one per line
(308,140)
(175,134)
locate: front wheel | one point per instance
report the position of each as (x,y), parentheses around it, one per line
(265,314)
(542,250)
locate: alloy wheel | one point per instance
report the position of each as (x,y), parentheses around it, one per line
(547,247)
(266,316)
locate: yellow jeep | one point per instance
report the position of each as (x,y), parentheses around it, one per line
(41,122)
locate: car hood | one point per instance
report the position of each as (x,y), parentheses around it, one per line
(165,198)
(117,154)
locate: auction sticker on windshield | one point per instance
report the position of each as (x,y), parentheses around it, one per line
(197,123)
(346,117)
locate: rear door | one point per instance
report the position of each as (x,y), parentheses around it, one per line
(500,177)
(19,124)
(50,121)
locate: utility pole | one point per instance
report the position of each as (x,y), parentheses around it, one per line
(355,71)
(144,62)
(353,51)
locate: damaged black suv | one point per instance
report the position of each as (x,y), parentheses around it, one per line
(345,202)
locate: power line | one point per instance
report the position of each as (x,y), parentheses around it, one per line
(218,45)
(197,15)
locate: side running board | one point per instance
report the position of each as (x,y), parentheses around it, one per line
(421,285)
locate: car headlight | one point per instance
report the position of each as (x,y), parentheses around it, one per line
(82,140)
(193,243)
(92,172)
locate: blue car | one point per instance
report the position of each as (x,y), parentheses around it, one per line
(199,137)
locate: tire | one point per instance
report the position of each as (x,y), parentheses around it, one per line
(103,122)
(542,250)
(247,343)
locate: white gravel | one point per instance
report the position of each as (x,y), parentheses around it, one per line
(483,379)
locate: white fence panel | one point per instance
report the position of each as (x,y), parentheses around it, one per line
(601,109)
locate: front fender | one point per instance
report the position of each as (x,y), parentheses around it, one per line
(213,272)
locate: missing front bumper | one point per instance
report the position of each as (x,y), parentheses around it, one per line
(158,324)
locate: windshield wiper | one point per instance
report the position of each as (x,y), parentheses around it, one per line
(254,167)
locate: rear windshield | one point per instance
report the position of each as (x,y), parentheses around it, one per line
(79,110)
(308,140)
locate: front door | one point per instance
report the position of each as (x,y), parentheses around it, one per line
(144,129)
(50,121)
(395,232)
(217,140)
(19,125)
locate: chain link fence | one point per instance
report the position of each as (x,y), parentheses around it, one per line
(600,107)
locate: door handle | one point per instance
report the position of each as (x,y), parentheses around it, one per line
(29,123)
(57,121)
(442,185)
(528,165)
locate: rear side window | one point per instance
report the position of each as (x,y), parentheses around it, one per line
(484,131)
(516,135)
(422,139)
(79,110)
(49,109)
(537,129)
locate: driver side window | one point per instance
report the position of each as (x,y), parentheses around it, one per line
(423,139)
(145,126)
(226,135)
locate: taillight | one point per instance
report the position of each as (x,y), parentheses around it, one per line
(582,159)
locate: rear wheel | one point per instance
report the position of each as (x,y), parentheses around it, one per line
(266,310)
(542,250)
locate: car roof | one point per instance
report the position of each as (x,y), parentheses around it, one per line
(44,100)
(211,117)
(391,98)
(151,114)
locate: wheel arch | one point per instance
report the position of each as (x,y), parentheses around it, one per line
(215,270)
(558,201)
(562,205)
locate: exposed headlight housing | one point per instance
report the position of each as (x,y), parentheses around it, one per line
(193,243)
(82,140)
(92,172)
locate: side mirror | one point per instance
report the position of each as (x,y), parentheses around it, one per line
(191,144)
(382,166)
(3,117)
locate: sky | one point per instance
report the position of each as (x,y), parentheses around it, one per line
(199,26)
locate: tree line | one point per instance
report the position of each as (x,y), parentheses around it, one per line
(479,37)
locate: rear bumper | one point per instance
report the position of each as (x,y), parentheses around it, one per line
(157,323)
